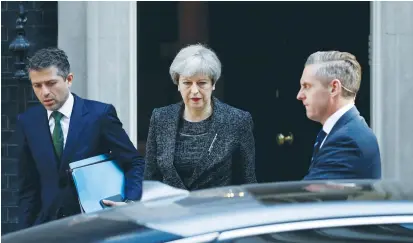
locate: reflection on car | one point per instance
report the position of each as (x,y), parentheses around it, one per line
(304,211)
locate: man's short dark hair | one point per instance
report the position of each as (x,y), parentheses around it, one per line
(48,57)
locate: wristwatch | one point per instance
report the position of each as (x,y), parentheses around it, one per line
(129,201)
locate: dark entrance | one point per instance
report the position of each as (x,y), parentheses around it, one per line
(263,47)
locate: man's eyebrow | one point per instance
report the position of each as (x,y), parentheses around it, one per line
(50,80)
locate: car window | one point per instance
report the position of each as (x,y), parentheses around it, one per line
(354,234)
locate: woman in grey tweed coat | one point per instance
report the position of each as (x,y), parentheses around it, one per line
(200,142)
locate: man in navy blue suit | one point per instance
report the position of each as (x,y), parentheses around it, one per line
(65,128)
(345,148)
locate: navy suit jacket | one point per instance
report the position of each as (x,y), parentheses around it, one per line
(350,151)
(47,191)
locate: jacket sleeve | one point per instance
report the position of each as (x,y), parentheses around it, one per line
(247,151)
(124,152)
(152,171)
(28,181)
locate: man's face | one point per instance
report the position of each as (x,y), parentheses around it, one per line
(314,94)
(51,89)
(196,91)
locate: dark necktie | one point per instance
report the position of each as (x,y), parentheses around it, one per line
(57,134)
(320,137)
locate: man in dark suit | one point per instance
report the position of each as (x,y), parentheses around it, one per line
(65,128)
(345,148)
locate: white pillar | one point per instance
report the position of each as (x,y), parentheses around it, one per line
(392,86)
(107,39)
(72,39)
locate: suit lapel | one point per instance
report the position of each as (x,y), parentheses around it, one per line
(344,119)
(75,128)
(205,160)
(44,139)
(169,130)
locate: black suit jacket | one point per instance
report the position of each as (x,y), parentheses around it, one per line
(46,190)
(230,161)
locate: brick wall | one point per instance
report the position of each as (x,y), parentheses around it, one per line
(41,31)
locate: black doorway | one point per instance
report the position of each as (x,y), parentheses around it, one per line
(263,47)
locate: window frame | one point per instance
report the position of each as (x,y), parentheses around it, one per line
(204,238)
(313,224)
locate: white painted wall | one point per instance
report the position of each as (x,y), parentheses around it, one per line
(100,39)
(392,86)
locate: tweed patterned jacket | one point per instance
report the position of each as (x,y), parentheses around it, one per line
(229,160)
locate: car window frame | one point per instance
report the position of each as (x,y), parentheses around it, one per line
(204,238)
(313,224)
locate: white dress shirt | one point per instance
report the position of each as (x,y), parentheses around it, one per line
(66,110)
(332,120)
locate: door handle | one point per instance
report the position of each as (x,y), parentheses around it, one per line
(281,139)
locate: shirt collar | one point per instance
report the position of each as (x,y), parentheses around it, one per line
(332,120)
(66,108)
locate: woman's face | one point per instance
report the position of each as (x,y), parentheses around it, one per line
(196,91)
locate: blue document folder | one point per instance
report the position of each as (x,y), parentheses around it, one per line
(97,178)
